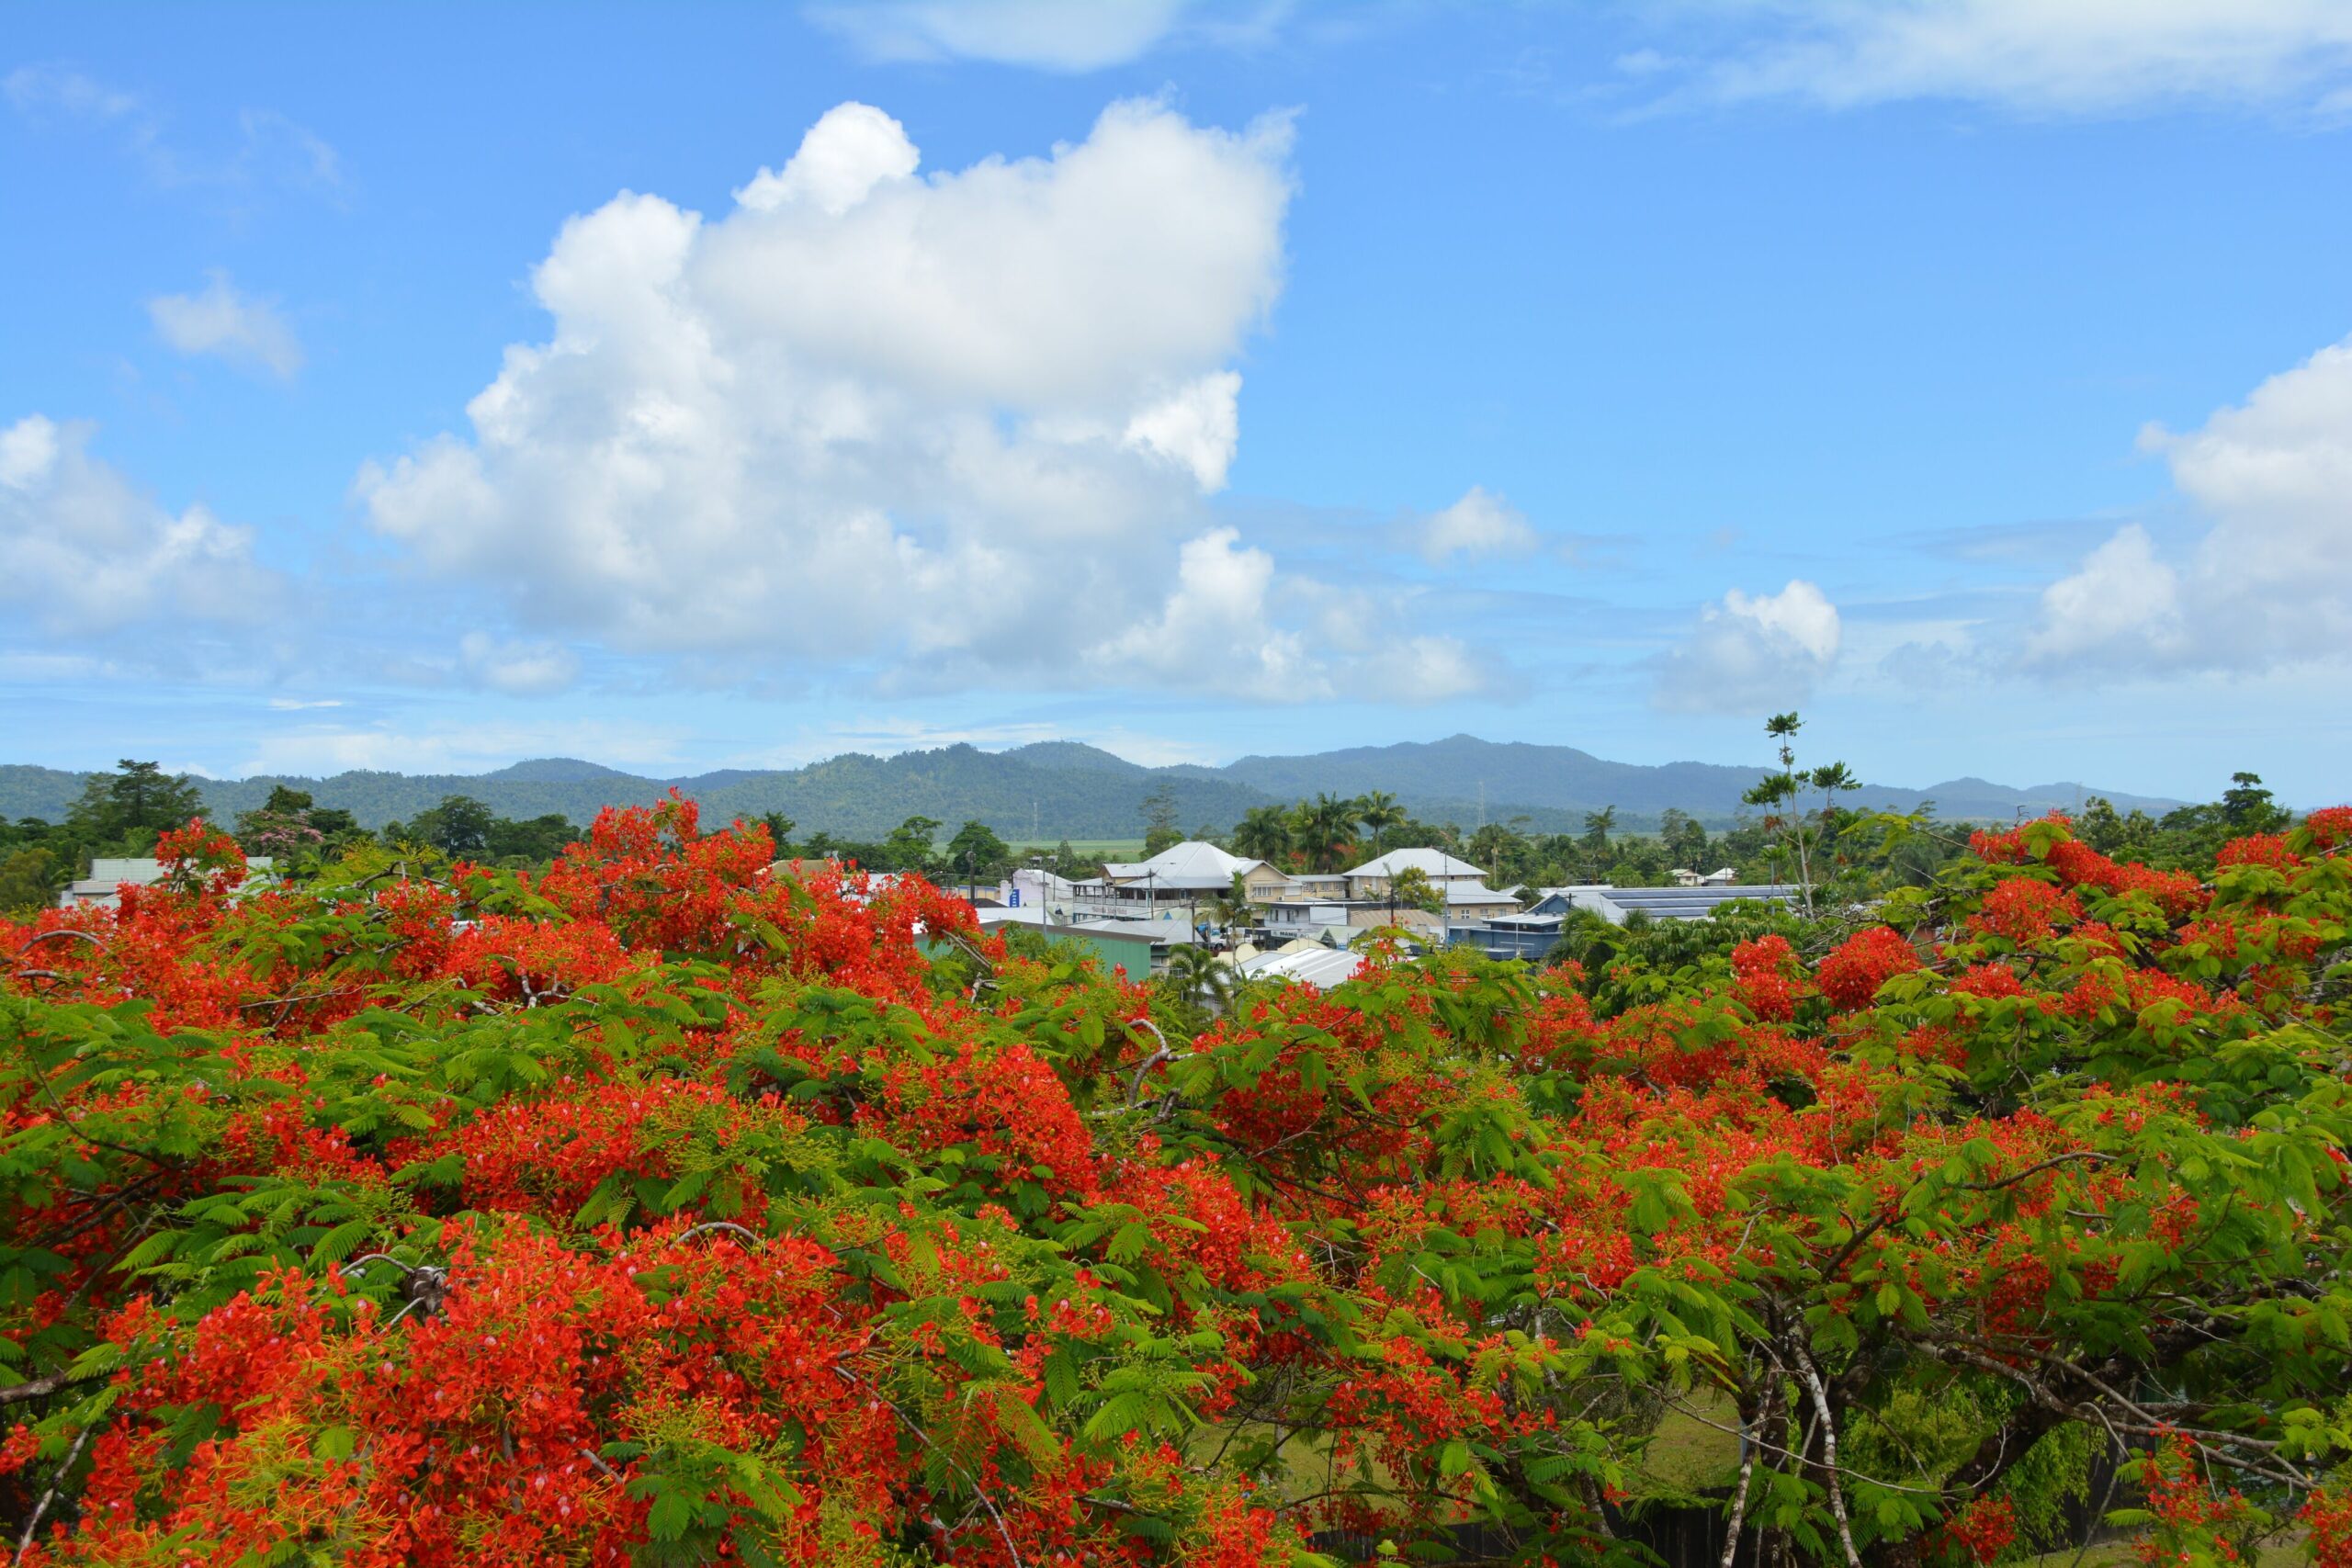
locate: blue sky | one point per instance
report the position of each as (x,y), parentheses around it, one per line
(433,387)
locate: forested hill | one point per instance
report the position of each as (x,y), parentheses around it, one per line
(1460,771)
(1069,790)
(854,795)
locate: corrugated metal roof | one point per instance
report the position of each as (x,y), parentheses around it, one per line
(1432,863)
(1678,903)
(1321,967)
(1016,915)
(1193,863)
(1132,931)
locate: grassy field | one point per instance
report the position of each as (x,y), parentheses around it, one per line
(1687,1455)
(1101,849)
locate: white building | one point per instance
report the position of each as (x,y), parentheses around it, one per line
(1463,887)
(1372,879)
(1177,885)
(1034,887)
(109,874)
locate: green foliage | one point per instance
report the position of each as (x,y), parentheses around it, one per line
(975,852)
(137,801)
(30,879)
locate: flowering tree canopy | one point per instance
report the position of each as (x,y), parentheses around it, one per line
(660,1208)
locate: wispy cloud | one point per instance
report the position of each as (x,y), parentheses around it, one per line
(2035,58)
(1046,35)
(315,749)
(232,326)
(1479,525)
(266,149)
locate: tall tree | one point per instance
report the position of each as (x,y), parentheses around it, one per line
(280,827)
(1794,837)
(1328,831)
(1159,818)
(1264,833)
(1597,828)
(1684,840)
(459,826)
(779,828)
(1378,811)
(141,798)
(1499,849)
(2247,807)
(976,853)
(909,847)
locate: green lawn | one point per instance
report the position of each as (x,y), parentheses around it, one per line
(1101,849)
(1686,1455)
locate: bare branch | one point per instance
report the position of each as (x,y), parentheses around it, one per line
(1829,1450)
(729,1225)
(40,1388)
(32,1525)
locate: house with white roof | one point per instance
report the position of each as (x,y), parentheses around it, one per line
(109,874)
(1371,879)
(1177,884)
(1460,883)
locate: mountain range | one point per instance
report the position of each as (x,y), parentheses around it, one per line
(1061,789)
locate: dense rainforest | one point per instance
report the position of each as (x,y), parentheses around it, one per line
(656,1207)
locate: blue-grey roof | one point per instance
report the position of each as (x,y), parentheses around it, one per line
(1686,903)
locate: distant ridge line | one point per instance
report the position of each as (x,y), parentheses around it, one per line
(1072,790)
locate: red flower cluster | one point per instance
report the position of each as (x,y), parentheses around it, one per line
(1851,975)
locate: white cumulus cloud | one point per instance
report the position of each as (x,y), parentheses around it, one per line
(2041,56)
(236,327)
(1479,525)
(1214,630)
(1053,35)
(2270,582)
(84,553)
(944,429)
(853,149)
(2121,597)
(1752,652)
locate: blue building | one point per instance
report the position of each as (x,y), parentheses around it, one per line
(1531,934)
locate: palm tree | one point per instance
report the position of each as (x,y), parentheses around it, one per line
(1378,811)
(1232,909)
(1831,779)
(1264,833)
(1331,823)
(1498,848)
(1198,984)
(1774,792)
